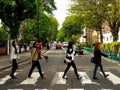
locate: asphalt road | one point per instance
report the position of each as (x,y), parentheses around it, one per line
(53,71)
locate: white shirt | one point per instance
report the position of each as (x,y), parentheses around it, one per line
(72,54)
(13,55)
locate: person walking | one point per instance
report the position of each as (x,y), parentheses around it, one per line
(70,56)
(13,59)
(97,57)
(34,59)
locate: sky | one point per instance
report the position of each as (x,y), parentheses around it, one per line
(61,11)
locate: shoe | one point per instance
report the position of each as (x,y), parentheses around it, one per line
(13,77)
(79,77)
(95,78)
(64,77)
(106,75)
(29,77)
(43,77)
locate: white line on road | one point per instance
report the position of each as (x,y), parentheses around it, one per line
(113,78)
(86,79)
(3,80)
(75,89)
(14,89)
(57,79)
(31,80)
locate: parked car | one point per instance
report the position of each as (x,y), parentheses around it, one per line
(65,44)
(78,50)
(59,46)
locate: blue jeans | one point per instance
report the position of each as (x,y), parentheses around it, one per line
(96,67)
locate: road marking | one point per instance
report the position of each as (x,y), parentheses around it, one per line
(106,89)
(57,79)
(113,78)
(3,80)
(14,89)
(33,79)
(75,89)
(43,89)
(86,79)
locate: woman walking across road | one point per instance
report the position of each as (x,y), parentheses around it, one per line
(97,57)
(13,58)
(35,60)
(70,55)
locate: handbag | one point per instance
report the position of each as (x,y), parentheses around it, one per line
(66,61)
(92,60)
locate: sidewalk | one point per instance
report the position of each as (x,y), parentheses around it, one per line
(5,61)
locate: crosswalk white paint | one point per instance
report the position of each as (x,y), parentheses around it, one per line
(3,80)
(57,79)
(86,79)
(43,89)
(67,89)
(32,80)
(113,78)
(75,89)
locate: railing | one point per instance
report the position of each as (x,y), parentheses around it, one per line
(113,55)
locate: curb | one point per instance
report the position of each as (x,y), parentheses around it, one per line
(18,62)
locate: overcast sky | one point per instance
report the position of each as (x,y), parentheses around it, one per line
(61,11)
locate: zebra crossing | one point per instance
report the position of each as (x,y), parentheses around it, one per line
(57,80)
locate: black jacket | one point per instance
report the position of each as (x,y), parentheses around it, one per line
(97,56)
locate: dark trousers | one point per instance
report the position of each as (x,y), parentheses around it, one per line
(96,67)
(68,67)
(14,67)
(35,64)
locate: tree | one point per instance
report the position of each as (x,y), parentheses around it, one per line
(3,37)
(72,26)
(48,28)
(13,12)
(107,10)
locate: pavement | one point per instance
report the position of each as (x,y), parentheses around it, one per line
(5,59)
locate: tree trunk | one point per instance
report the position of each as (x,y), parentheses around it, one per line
(114,31)
(101,35)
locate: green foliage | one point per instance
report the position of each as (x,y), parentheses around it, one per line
(47,28)
(71,26)
(3,37)
(98,11)
(13,12)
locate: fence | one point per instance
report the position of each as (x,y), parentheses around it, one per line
(113,55)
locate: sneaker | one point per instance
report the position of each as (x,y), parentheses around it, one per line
(13,77)
(106,75)
(29,77)
(64,77)
(95,78)
(79,77)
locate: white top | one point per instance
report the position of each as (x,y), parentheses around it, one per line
(13,54)
(72,54)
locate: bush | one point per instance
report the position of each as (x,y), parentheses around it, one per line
(3,37)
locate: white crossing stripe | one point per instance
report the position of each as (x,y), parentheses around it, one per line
(43,89)
(113,78)
(3,80)
(106,89)
(75,89)
(33,79)
(86,79)
(57,79)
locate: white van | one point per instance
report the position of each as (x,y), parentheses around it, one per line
(65,44)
